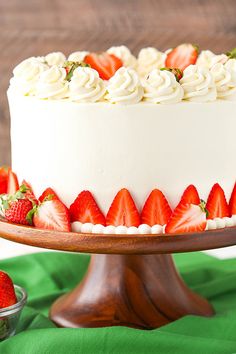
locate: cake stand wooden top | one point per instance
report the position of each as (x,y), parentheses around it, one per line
(118,244)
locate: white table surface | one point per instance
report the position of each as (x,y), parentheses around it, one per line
(10,249)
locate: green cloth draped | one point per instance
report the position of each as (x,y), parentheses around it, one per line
(46,276)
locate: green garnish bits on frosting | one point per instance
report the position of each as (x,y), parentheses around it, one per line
(71,66)
(177,72)
(232,54)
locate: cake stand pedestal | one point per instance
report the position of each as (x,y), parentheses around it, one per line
(131,280)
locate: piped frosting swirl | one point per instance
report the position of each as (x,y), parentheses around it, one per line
(124,87)
(225,86)
(86,85)
(198,84)
(26,75)
(55,58)
(123,53)
(150,59)
(161,86)
(52,83)
(208,59)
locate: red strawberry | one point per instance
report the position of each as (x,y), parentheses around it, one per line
(187,218)
(85,209)
(18,207)
(18,211)
(52,215)
(232,202)
(182,56)
(217,205)
(190,196)
(156,209)
(12,184)
(7,291)
(48,193)
(3,179)
(105,64)
(29,192)
(123,210)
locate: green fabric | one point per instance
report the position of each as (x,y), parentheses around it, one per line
(48,275)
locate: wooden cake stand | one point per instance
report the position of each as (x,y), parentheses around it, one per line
(131,281)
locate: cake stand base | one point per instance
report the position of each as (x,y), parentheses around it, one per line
(140,291)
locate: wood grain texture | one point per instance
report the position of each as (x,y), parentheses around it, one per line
(135,291)
(32,27)
(118,244)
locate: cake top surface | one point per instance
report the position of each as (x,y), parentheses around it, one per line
(117,76)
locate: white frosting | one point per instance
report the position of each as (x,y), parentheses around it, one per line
(124,87)
(26,75)
(208,59)
(149,59)
(103,147)
(52,83)
(86,85)
(125,55)
(76,226)
(78,56)
(86,228)
(225,86)
(98,229)
(213,76)
(143,229)
(161,86)
(157,229)
(198,84)
(109,229)
(132,230)
(220,223)
(230,65)
(55,58)
(121,230)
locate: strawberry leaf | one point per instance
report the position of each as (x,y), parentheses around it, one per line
(24,188)
(49,197)
(29,216)
(232,54)
(71,66)
(5,204)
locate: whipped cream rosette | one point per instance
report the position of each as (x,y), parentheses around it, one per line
(230,65)
(55,58)
(52,84)
(125,55)
(124,87)
(86,85)
(26,75)
(198,84)
(161,86)
(78,56)
(149,59)
(207,58)
(225,86)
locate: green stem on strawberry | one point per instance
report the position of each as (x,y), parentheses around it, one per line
(177,72)
(232,54)
(70,67)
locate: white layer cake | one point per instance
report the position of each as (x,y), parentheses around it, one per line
(104,147)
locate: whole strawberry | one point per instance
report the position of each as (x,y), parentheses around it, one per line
(18,211)
(19,207)
(7,291)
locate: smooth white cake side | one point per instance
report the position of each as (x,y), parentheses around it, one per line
(103,147)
